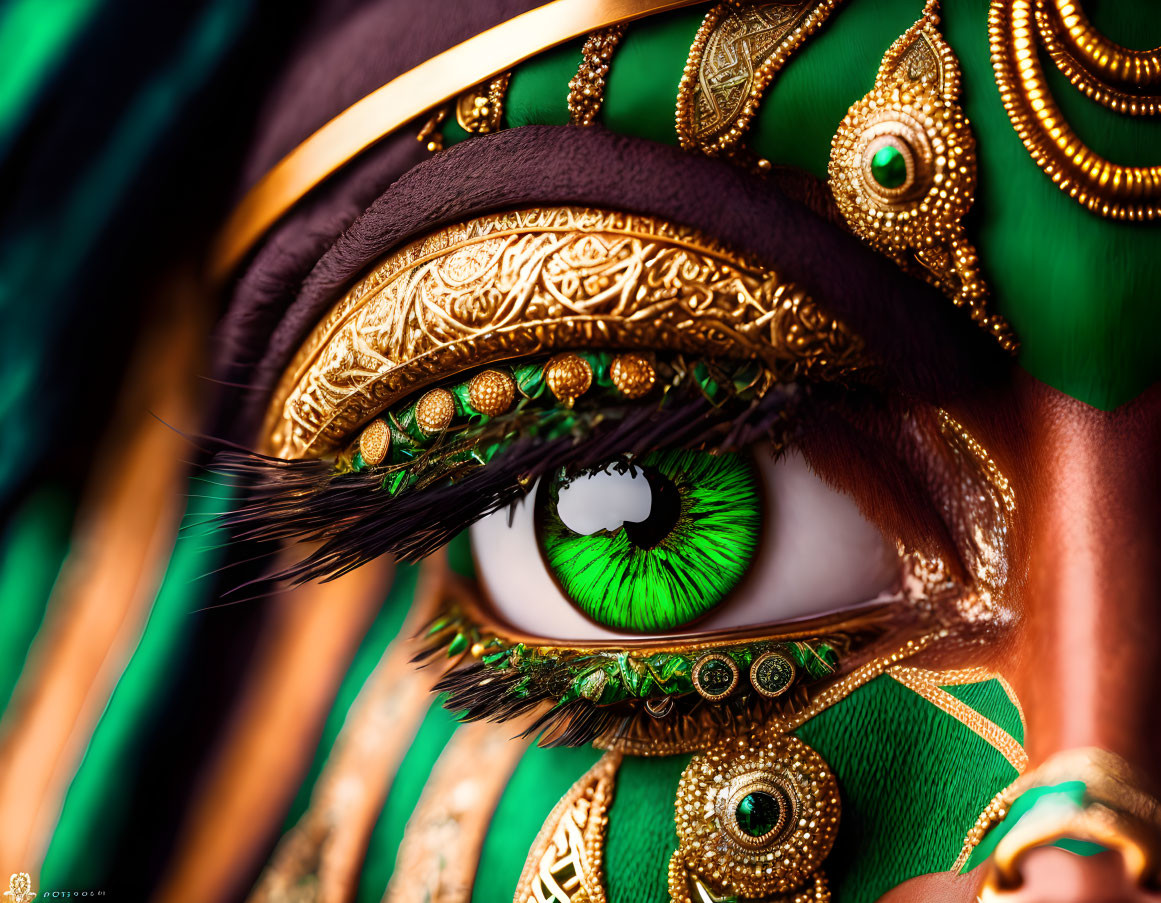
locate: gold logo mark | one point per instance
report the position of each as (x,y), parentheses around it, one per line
(20,888)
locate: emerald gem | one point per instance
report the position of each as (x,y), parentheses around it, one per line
(759,813)
(889,167)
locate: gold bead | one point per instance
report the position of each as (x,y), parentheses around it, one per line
(435,411)
(568,376)
(492,392)
(632,374)
(375,442)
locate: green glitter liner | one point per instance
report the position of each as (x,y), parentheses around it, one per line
(690,570)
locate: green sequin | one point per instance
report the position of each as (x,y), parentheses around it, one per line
(888,167)
(758,813)
(624,585)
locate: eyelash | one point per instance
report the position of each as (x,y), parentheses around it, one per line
(356,518)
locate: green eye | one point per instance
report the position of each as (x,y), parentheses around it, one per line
(699,535)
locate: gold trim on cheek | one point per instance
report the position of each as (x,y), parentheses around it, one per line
(506,285)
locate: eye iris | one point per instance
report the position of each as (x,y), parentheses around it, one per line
(696,542)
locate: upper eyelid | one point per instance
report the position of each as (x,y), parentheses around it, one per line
(505,285)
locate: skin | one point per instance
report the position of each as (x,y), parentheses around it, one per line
(1083,658)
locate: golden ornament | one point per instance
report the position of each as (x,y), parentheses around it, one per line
(435,411)
(903,169)
(568,376)
(632,374)
(375,442)
(491,392)
(755,817)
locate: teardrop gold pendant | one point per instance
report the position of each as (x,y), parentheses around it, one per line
(903,169)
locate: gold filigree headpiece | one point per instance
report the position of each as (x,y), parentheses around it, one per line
(508,285)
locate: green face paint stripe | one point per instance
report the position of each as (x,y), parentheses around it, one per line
(991,700)
(540,780)
(898,758)
(31,554)
(375,641)
(383,845)
(1071,792)
(527,101)
(642,834)
(93,816)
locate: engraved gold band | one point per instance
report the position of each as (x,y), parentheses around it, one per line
(508,285)
(415,92)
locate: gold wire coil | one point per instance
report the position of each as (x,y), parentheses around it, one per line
(1105,188)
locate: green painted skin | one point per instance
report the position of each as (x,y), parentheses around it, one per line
(1079,290)
(623,585)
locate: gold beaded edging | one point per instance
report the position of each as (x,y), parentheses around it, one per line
(1105,188)
(566,862)
(736,53)
(508,285)
(586,91)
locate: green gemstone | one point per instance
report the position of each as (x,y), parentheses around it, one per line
(889,167)
(759,813)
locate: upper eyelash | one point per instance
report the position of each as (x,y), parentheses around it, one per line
(355,521)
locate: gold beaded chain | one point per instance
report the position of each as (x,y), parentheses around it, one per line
(1088,59)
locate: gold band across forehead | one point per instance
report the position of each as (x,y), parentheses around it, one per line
(407,97)
(508,285)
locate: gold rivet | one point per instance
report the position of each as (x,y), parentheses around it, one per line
(568,376)
(375,442)
(492,392)
(632,374)
(435,411)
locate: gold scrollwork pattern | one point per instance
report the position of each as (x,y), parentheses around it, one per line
(903,169)
(566,862)
(735,56)
(1106,72)
(512,284)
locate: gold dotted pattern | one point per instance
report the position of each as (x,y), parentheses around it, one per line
(375,442)
(633,375)
(568,376)
(435,410)
(586,90)
(491,392)
(710,845)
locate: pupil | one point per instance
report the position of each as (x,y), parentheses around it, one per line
(664,510)
(888,167)
(759,813)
